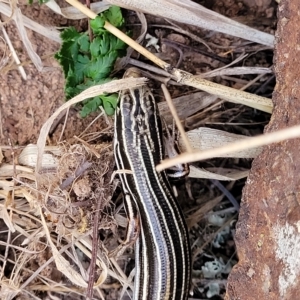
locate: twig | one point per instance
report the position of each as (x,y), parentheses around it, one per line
(13,52)
(248,143)
(65,124)
(175,27)
(81,169)
(176,47)
(89,292)
(148,67)
(7,246)
(197,50)
(230,197)
(176,118)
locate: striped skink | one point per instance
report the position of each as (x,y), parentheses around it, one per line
(156,222)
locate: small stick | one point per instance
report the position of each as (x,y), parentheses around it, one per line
(65,124)
(89,292)
(223,189)
(249,143)
(13,52)
(176,118)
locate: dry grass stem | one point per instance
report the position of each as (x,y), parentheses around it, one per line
(23,209)
(204,138)
(18,18)
(232,175)
(237,71)
(224,92)
(176,118)
(7,170)
(149,67)
(249,143)
(13,52)
(187,105)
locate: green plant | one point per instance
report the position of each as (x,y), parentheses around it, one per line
(39,1)
(87,63)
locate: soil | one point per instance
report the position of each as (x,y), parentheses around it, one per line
(25,105)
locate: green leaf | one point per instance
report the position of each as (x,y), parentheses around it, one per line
(40,1)
(116,44)
(109,103)
(108,63)
(114,16)
(95,46)
(105,43)
(84,43)
(97,25)
(90,106)
(67,55)
(68,52)
(70,34)
(88,83)
(81,68)
(71,78)
(102,66)
(85,85)
(94,70)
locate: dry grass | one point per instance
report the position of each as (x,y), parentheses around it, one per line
(49,217)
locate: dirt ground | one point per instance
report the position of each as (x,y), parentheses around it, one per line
(269,213)
(27,104)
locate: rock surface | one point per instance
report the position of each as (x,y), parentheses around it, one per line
(268,231)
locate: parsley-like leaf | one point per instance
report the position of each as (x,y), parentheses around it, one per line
(90,106)
(109,103)
(97,25)
(114,16)
(84,43)
(86,63)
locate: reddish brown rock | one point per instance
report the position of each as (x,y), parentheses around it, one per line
(268,231)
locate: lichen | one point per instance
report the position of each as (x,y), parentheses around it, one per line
(288,251)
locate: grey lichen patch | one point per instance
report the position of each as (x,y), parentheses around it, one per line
(288,251)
